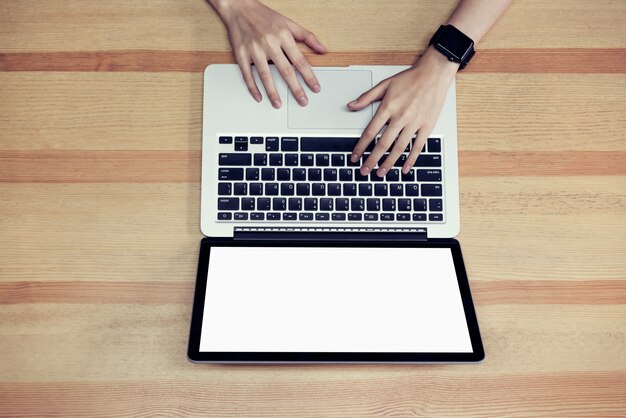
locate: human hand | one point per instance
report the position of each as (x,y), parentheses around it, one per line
(258,34)
(411,102)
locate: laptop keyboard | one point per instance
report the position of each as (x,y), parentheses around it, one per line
(286,179)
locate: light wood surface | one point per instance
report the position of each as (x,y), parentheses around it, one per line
(100,122)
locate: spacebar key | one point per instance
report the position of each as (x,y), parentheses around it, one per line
(328,144)
(229,159)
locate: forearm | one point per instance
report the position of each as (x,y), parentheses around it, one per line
(475,17)
(226,8)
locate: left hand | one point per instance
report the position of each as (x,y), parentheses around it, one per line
(411,102)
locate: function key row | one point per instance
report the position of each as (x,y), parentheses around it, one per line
(323,216)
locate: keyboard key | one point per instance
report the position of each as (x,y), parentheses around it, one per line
(241,216)
(224,216)
(330,174)
(256,189)
(365,189)
(328,144)
(306,160)
(306,216)
(268,174)
(359,177)
(426,160)
(412,189)
(403,217)
(260,160)
(271,189)
(404,205)
(322,216)
(230,159)
(339,216)
(434,144)
(338,160)
(273,216)
(437,217)
(334,189)
(326,204)
(276,159)
(226,140)
(389,205)
(295,203)
(319,189)
(289,144)
(370,217)
(299,174)
(419,205)
(322,160)
(287,189)
(291,160)
(435,205)
(257,216)
(315,174)
(400,161)
(355,217)
(410,176)
(310,204)
(380,189)
(228,203)
(431,190)
(303,189)
(393,175)
(386,217)
(349,162)
(271,144)
(224,189)
(349,189)
(396,189)
(428,175)
(357,204)
(345,174)
(240,189)
(256,139)
(263,203)
(283,174)
(231,174)
(241,144)
(375,177)
(419,217)
(252,174)
(373,204)
(279,203)
(247,203)
(290,216)
(341,204)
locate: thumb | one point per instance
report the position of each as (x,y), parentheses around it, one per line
(375,93)
(302,35)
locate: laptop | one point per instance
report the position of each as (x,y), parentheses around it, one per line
(305,259)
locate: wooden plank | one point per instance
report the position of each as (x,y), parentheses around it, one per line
(30,25)
(549,60)
(496,112)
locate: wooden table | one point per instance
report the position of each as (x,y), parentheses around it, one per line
(100,121)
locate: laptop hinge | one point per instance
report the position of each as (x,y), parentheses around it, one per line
(330,233)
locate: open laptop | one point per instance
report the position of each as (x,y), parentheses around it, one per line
(298,241)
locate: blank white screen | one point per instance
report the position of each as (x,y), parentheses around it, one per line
(333,300)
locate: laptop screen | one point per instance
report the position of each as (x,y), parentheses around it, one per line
(327,299)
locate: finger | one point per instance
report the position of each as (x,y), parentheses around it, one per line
(383,144)
(302,35)
(375,93)
(418,145)
(248,78)
(265,75)
(398,149)
(289,75)
(302,65)
(376,124)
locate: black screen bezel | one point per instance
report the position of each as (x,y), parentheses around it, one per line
(195,355)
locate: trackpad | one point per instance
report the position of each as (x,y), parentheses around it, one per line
(327,109)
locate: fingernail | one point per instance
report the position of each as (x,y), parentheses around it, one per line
(353,102)
(354,158)
(365,171)
(257,97)
(316,88)
(302,100)
(405,170)
(381,172)
(276,103)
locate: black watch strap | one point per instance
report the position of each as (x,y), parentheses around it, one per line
(454,44)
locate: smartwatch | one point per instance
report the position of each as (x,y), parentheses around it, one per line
(454,44)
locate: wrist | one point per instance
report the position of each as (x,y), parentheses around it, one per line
(226,9)
(439,63)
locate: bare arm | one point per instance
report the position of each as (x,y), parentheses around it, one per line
(412,99)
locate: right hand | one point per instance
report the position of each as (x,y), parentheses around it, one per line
(258,34)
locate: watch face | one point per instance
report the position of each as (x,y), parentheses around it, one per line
(454,42)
